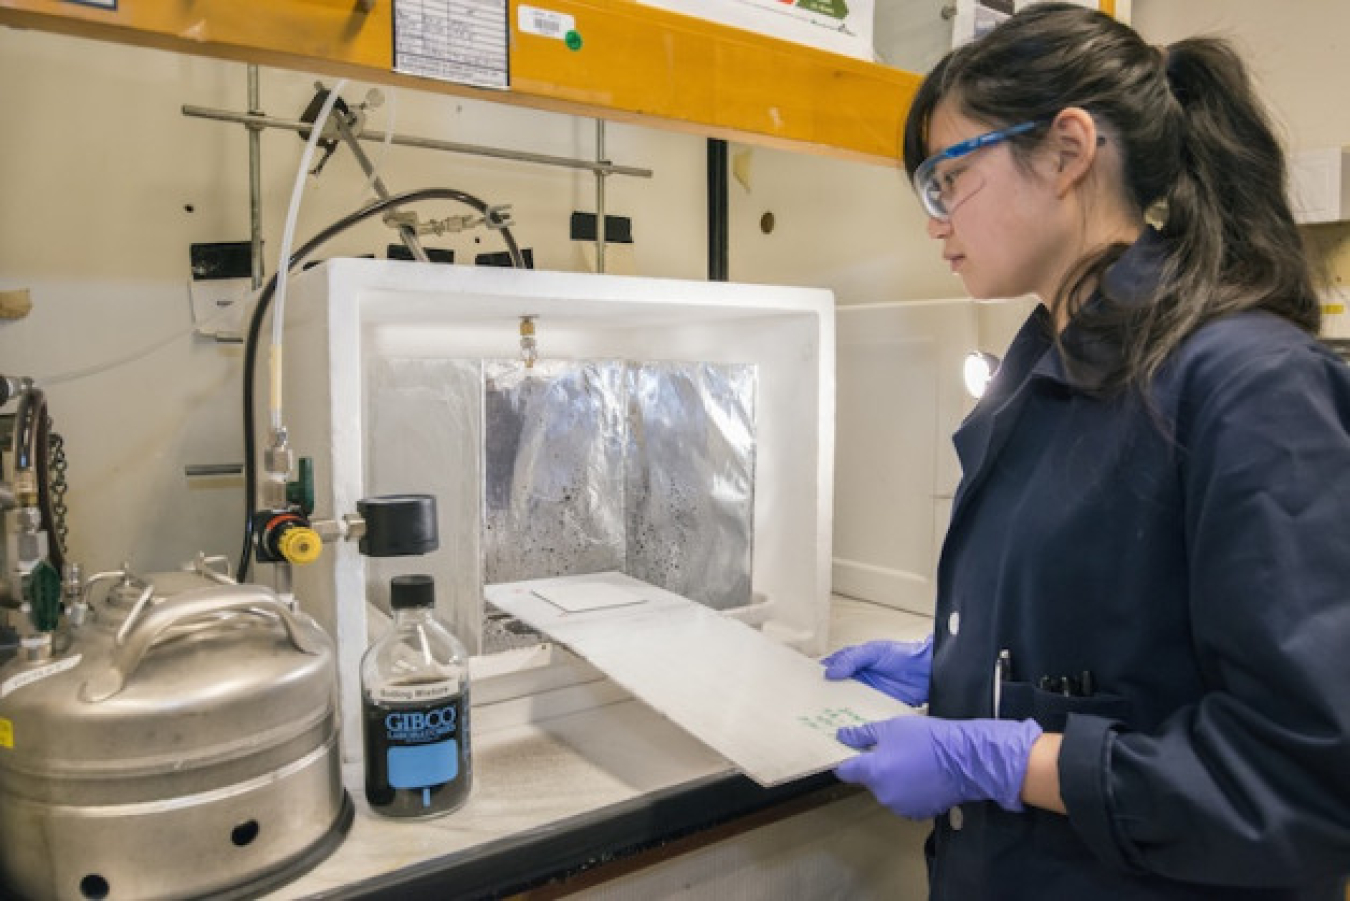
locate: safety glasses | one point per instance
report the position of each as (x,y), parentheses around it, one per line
(944,182)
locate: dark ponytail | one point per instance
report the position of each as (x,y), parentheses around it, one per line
(1195,144)
(1235,243)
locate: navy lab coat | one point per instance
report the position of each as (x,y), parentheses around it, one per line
(1193,555)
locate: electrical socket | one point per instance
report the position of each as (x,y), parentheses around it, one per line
(218,306)
(221,281)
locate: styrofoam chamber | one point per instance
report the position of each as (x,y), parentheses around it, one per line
(348,320)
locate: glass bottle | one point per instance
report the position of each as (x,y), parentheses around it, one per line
(415,709)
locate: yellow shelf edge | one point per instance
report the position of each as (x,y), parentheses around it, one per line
(637,64)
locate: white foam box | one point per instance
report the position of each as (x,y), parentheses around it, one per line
(346,319)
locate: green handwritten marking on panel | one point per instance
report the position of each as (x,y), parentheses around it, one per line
(831,718)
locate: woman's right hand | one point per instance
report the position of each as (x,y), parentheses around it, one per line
(901,669)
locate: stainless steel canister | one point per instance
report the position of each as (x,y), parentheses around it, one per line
(183,744)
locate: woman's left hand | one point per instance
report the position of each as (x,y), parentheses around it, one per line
(920,766)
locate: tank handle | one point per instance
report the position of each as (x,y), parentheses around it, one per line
(190,605)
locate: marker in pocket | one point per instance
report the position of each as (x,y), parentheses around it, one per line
(1002,673)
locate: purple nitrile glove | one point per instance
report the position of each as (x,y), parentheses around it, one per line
(900,669)
(919,766)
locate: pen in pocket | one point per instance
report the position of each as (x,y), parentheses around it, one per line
(1002,673)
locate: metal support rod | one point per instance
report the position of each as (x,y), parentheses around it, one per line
(283,583)
(255,179)
(208,470)
(718,228)
(521,156)
(406,232)
(600,196)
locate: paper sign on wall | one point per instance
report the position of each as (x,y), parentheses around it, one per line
(837,26)
(462,41)
(975,18)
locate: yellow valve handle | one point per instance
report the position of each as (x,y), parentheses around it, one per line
(300,545)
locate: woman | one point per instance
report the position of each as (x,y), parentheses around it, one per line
(1140,674)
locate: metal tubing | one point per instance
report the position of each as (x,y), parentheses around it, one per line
(247,119)
(255,180)
(406,232)
(205,470)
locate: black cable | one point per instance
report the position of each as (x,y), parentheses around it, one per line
(265,301)
(32,446)
(56,551)
(25,426)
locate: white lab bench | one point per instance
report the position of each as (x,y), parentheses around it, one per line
(614,801)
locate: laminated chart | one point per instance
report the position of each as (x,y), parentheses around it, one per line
(463,41)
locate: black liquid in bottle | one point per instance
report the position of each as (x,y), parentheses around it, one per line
(415,710)
(417,756)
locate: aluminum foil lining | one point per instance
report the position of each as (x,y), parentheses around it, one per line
(690,479)
(567,468)
(553,493)
(425,436)
(642,467)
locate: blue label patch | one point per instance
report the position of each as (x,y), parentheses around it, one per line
(421,766)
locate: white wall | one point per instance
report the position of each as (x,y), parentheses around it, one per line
(1297,52)
(1299,57)
(850,227)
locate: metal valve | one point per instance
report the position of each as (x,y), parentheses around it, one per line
(286,536)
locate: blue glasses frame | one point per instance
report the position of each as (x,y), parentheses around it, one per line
(932,193)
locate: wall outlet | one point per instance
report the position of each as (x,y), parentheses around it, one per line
(222,277)
(218,306)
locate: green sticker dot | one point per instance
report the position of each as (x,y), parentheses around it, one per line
(573,40)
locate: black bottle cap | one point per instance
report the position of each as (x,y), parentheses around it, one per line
(398,525)
(411,591)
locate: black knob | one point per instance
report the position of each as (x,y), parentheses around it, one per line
(398,525)
(412,591)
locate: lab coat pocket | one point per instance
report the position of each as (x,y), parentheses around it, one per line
(1022,700)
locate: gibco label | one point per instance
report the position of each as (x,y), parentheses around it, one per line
(417,726)
(402,694)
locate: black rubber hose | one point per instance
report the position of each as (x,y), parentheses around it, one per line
(719,229)
(32,446)
(56,552)
(265,301)
(25,426)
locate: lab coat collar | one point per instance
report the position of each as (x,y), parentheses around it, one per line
(1131,279)
(1128,283)
(1033,356)
(982,434)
